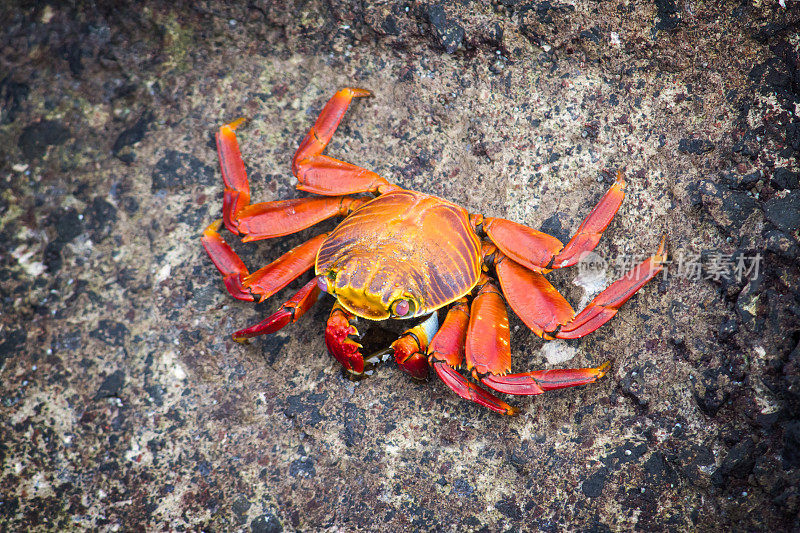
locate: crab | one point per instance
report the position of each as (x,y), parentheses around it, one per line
(403,254)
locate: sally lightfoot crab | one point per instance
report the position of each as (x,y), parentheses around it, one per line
(404,254)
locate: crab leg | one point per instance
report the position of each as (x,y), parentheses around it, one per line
(410,349)
(266,220)
(324,175)
(470,391)
(237,187)
(545,311)
(488,340)
(446,352)
(539,381)
(532,297)
(538,251)
(227,262)
(268,280)
(606,304)
(288,313)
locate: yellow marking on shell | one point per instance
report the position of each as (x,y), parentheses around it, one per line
(359,302)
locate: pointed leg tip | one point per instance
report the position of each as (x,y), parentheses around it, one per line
(603,369)
(662,246)
(512,411)
(360,92)
(620,178)
(214,227)
(240,340)
(236,123)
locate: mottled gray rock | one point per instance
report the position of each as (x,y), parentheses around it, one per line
(126,404)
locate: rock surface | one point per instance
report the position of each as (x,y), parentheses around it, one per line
(126,404)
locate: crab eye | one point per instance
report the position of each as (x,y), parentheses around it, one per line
(401,307)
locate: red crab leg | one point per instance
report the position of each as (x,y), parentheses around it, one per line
(266,220)
(538,251)
(470,391)
(593,226)
(327,176)
(539,381)
(237,187)
(288,313)
(532,297)
(606,304)
(447,352)
(545,311)
(340,345)
(227,262)
(488,341)
(268,280)
(410,349)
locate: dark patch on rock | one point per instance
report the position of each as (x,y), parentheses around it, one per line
(593,34)
(748,181)
(633,385)
(695,146)
(783,178)
(72,53)
(241,506)
(306,407)
(111,386)
(448,32)
(784,212)
(729,209)
(12,342)
(740,459)
(68,225)
(389,25)
(12,95)
(36,137)
(111,332)
(711,397)
(781,244)
(553,226)
(628,452)
(101,218)
(668,14)
(727,329)
(538,20)
(131,136)
(422,518)
(303,465)
(462,487)
(355,424)
(592,486)
(658,471)
(510,509)
(178,170)
(694,461)
(266,523)
(791,444)
(272,346)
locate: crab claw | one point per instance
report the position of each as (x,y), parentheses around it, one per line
(340,345)
(411,357)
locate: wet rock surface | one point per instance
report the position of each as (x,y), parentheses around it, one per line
(126,404)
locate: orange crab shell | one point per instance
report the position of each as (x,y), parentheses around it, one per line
(401,245)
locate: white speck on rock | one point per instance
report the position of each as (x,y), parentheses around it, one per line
(558,351)
(178,372)
(163,273)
